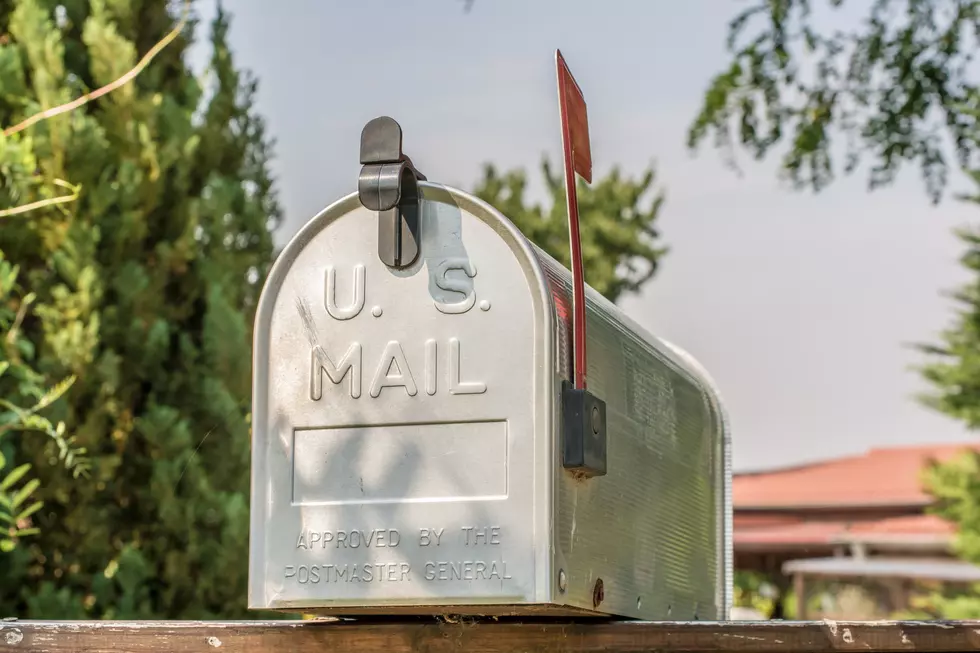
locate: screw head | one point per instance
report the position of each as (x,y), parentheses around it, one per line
(598,593)
(595,420)
(562,580)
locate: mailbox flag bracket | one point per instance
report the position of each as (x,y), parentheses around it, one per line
(583,413)
(388,184)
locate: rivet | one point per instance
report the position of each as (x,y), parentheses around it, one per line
(595,420)
(562,580)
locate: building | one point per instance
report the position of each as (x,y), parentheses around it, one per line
(859,518)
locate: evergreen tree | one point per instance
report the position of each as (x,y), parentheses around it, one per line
(954,373)
(23,400)
(145,283)
(617,223)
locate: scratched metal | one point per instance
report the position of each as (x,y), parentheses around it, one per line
(405,457)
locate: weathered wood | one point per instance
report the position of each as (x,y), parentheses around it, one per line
(489,637)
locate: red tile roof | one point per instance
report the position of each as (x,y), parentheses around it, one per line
(877,478)
(903,526)
(801,532)
(798,534)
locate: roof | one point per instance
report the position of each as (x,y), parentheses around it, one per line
(879,477)
(795,531)
(942,570)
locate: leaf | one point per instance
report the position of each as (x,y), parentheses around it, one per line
(30,510)
(53,394)
(14,476)
(6,546)
(21,495)
(24,532)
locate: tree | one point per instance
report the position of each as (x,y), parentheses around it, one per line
(617,227)
(954,373)
(146,279)
(898,89)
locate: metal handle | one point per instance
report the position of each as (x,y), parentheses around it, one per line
(388,184)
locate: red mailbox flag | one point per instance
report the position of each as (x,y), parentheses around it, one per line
(575,121)
(578,159)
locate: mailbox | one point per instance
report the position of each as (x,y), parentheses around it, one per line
(417,448)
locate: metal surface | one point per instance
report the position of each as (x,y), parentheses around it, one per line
(406,445)
(656,528)
(499,637)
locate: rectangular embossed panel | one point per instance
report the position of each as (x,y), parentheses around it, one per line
(426,462)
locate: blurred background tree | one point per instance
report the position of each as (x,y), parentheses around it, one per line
(617,217)
(145,278)
(898,89)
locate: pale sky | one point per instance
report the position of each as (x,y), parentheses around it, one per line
(801,306)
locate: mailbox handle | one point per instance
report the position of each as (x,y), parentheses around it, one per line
(388,184)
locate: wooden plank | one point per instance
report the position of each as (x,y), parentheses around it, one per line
(488,637)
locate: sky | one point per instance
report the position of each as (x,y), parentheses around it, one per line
(802,306)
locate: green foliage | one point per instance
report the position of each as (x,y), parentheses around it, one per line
(753,590)
(954,373)
(616,225)
(940,603)
(23,397)
(145,288)
(954,367)
(895,87)
(956,487)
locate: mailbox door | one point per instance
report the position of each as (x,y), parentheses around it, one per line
(398,448)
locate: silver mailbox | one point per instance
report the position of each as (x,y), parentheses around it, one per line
(409,450)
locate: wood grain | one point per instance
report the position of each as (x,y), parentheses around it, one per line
(489,637)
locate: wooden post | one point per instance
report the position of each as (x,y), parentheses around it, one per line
(799,586)
(323,636)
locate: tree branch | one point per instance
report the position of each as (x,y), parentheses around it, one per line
(111,86)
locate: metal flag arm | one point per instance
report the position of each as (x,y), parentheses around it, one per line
(584,414)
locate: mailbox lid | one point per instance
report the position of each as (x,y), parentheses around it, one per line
(402,419)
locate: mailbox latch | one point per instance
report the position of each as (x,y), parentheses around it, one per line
(388,184)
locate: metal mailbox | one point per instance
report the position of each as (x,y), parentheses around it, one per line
(417,447)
